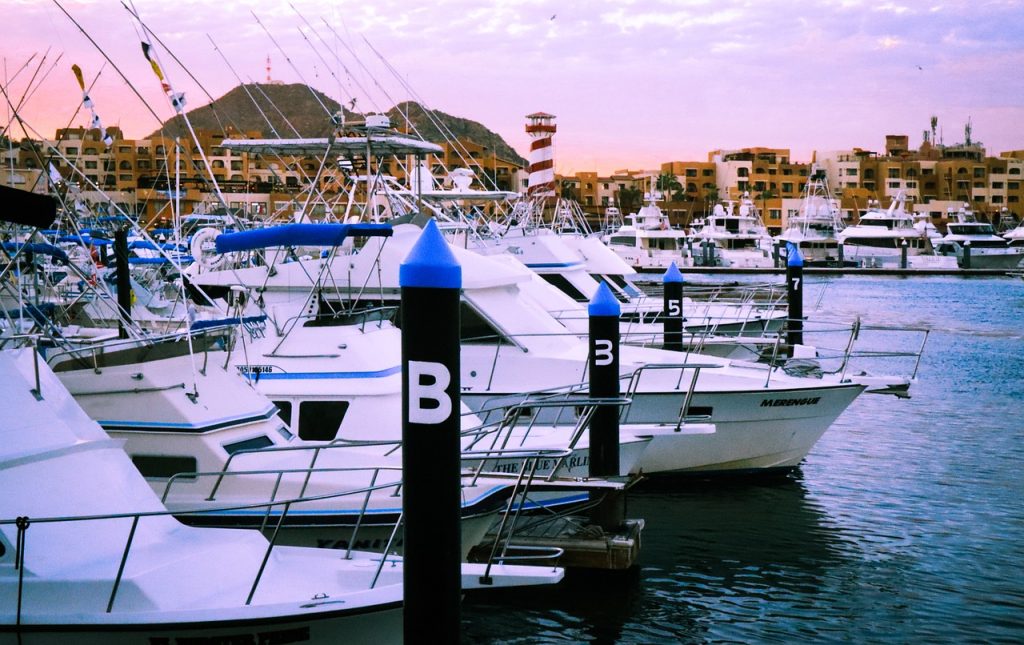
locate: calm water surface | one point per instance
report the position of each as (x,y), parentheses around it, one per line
(904,524)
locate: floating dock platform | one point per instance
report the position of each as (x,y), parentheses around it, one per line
(583,544)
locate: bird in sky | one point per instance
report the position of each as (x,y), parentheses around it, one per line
(920,68)
(553,16)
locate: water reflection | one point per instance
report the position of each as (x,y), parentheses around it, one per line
(709,547)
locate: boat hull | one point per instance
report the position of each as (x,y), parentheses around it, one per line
(381,624)
(754,430)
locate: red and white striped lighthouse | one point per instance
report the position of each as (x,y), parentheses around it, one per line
(541,128)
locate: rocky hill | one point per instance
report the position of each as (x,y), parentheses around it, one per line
(297,110)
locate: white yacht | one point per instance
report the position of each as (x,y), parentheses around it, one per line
(740,236)
(136,574)
(815,227)
(647,241)
(986,249)
(877,240)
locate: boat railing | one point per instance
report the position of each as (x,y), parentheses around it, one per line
(501,433)
(193,341)
(684,410)
(378,315)
(855,349)
(374,473)
(23,523)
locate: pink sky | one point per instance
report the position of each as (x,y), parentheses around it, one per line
(634,83)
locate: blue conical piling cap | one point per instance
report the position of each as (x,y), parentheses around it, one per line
(793,255)
(672,274)
(430,263)
(604,303)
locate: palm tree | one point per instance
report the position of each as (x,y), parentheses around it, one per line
(667,183)
(568,190)
(630,199)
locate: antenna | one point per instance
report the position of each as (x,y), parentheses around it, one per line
(268,69)
(935,122)
(967,132)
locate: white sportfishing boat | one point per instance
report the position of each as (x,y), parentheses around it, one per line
(976,245)
(741,238)
(335,375)
(512,346)
(136,574)
(815,227)
(203,437)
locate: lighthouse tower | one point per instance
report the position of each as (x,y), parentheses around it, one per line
(541,128)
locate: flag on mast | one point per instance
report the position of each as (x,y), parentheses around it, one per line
(95,124)
(177,98)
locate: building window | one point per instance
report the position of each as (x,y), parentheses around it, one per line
(997,199)
(995,184)
(742,172)
(894,184)
(979,172)
(787,187)
(851,172)
(1014,171)
(691,172)
(707,172)
(90,165)
(894,173)
(1013,185)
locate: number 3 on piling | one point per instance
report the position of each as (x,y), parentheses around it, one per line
(602,352)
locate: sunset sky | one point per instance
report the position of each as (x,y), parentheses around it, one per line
(633,83)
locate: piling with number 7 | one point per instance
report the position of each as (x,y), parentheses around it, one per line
(795,295)
(431,279)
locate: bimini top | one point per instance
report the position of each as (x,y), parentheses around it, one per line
(379,144)
(298,235)
(42,249)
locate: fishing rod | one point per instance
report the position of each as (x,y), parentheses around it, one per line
(337,58)
(291,64)
(443,129)
(177,101)
(185,69)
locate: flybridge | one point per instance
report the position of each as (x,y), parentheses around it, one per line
(381,144)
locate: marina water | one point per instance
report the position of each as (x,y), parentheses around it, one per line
(904,524)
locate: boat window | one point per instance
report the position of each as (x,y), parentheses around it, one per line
(622,283)
(321,420)
(255,443)
(562,284)
(284,410)
(162,466)
(475,328)
(625,240)
(286,433)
